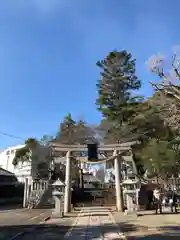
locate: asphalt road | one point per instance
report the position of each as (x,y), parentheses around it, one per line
(14,222)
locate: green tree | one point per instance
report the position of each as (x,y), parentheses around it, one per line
(72,132)
(116,100)
(69,133)
(146,124)
(66,133)
(150,121)
(37,155)
(24,154)
(159,159)
(81,132)
(46,139)
(85,132)
(156,152)
(116,95)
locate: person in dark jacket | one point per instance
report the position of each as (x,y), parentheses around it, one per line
(172,199)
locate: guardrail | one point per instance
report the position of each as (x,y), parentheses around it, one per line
(39,185)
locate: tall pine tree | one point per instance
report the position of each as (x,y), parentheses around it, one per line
(81,132)
(66,134)
(115,88)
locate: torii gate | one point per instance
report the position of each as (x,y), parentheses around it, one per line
(117,151)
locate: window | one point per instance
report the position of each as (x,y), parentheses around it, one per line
(8,152)
(12,151)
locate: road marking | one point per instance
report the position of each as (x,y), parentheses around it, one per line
(17,235)
(36,216)
(74,224)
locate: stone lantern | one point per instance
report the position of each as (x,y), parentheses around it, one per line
(131,190)
(58,194)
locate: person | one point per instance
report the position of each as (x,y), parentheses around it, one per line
(157,195)
(172,198)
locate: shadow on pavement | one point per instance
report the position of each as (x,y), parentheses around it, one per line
(139,232)
(154,214)
(53,232)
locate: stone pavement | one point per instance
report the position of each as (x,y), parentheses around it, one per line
(148,225)
(92,223)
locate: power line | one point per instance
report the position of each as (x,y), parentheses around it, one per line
(11,135)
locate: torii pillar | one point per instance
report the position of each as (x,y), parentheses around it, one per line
(117,168)
(67,194)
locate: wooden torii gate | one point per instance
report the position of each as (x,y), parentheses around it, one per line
(117,151)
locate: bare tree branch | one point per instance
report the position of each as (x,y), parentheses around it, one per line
(166,85)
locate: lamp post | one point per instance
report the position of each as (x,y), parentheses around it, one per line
(131,191)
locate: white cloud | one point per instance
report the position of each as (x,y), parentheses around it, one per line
(43,7)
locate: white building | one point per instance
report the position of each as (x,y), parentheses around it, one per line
(21,170)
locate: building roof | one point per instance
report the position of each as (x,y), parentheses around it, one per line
(5,172)
(7,178)
(16,147)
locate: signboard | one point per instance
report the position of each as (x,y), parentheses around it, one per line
(92,152)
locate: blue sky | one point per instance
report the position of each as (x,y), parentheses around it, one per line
(49,49)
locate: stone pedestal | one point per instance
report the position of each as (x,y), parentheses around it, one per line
(131,204)
(58,211)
